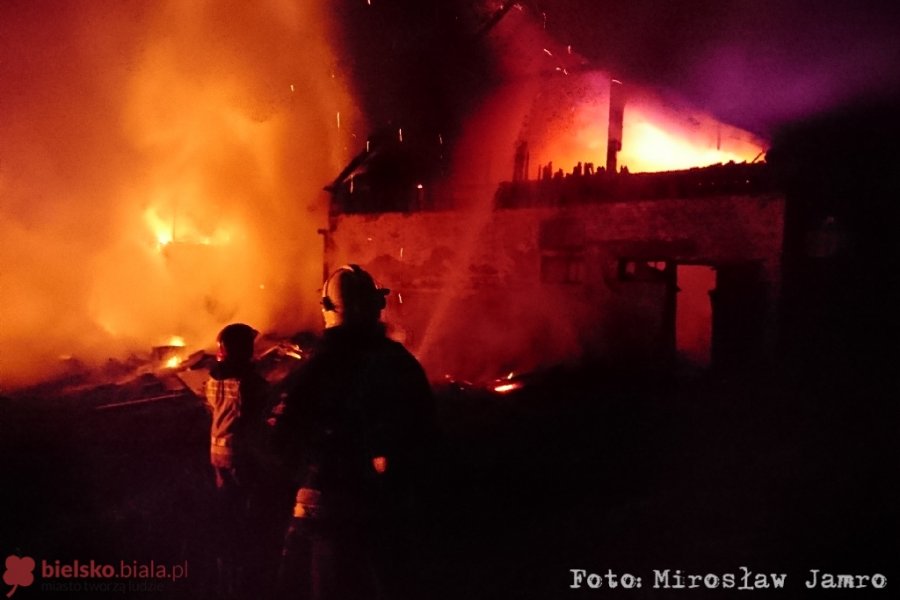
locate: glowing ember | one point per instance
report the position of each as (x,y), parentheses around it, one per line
(505,388)
(294,352)
(506,384)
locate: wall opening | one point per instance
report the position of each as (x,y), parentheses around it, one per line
(693,315)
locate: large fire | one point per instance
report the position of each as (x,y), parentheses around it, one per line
(161,167)
(162,164)
(658,135)
(561,104)
(557,104)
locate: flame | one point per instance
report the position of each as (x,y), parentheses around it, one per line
(177,341)
(656,140)
(192,173)
(162,232)
(173,362)
(167,231)
(564,113)
(658,134)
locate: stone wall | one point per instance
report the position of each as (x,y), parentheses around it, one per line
(480,293)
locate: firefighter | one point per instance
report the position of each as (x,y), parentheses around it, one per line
(236,396)
(355,427)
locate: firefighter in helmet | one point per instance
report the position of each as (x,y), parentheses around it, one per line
(354,426)
(236,397)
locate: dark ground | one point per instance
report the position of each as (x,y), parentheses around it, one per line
(581,470)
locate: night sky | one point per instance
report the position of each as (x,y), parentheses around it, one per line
(756,65)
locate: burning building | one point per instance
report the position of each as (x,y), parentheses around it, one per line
(642,270)
(585,252)
(162,165)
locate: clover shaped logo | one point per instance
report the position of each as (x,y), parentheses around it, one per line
(18,572)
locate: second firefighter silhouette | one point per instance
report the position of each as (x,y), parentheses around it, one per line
(236,397)
(354,425)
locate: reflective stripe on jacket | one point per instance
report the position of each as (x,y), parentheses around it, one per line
(224,397)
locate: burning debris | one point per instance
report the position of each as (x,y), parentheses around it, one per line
(170,355)
(167,372)
(509,384)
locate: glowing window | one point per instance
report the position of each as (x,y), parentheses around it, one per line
(642,270)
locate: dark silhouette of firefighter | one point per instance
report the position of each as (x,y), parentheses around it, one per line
(236,395)
(356,425)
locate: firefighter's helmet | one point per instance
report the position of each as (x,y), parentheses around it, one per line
(236,342)
(351,296)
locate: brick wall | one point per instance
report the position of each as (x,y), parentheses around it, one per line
(484,292)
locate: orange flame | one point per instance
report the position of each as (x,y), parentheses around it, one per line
(658,135)
(192,173)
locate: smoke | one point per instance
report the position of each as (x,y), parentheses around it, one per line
(757,65)
(479,165)
(514,325)
(796,62)
(161,167)
(565,113)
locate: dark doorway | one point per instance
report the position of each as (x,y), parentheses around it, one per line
(738,316)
